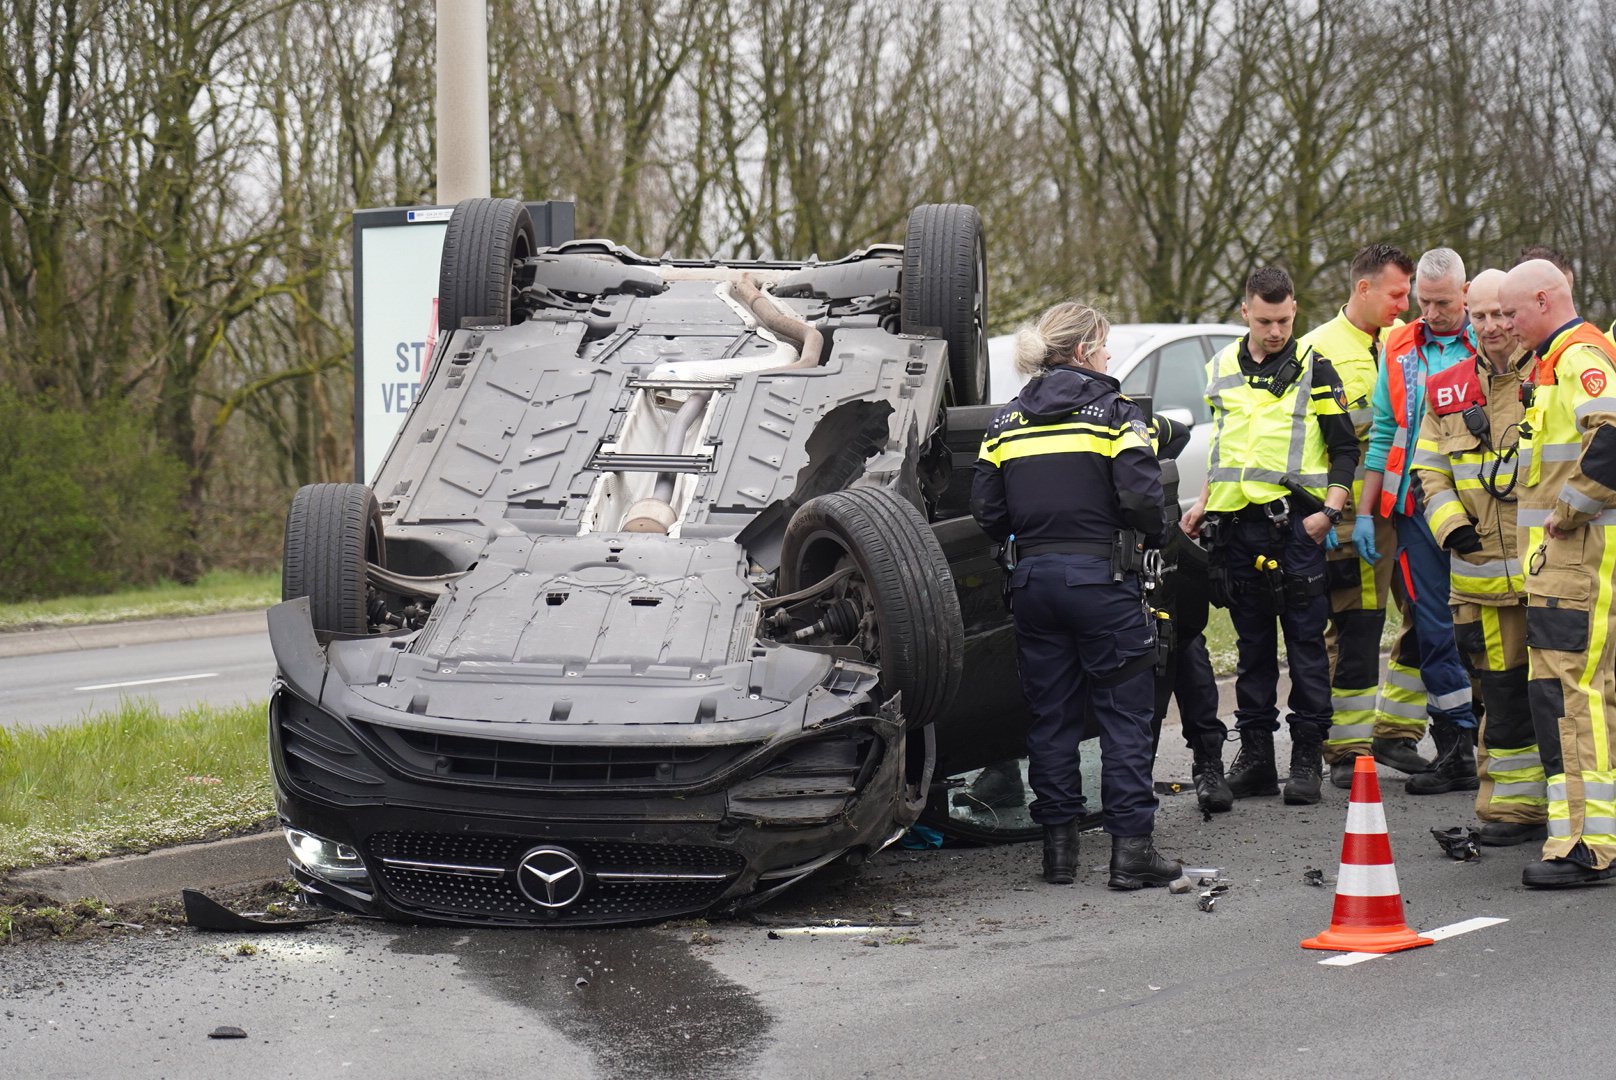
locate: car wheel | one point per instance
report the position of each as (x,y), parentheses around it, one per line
(332,531)
(483,249)
(945,270)
(905,613)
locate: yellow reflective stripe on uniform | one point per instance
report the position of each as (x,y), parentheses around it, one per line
(1093,438)
(1010,450)
(1589,683)
(1492,630)
(1402,701)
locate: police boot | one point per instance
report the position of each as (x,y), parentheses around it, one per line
(1455,768)
(1341,772)
(1211,790)
(1253,770)
(1307,765)
(1575,869)
(1135,863)
(1510,833)
(1060,853)
(1400,755)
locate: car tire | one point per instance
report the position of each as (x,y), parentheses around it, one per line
(944,291)
(483,249)
(906,581)
(332,532)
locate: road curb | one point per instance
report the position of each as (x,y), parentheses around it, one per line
(139,632)
(136,879)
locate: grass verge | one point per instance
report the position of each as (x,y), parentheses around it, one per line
(216,593)
(130,781)
(1220,639)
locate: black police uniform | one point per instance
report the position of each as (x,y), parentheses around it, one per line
(1065,467)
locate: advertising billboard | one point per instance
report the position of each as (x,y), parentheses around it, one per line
(396,253)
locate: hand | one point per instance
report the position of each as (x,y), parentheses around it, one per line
(1553,528)
(1316,526)
(1331,540)
(1464,540)
(1363,537)
(1191,521)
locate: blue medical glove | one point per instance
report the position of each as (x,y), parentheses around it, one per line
(1363,536)
(1330,540)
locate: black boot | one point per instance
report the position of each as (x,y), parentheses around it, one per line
(1575,869)
(1253,770)
(1455,768)
(1307,765)
(1341,772)
(1135,863)
(1060,853)
(1211,790)
(1400,755)
(1510,833)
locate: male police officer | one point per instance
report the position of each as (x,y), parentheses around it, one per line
(1466,460)
(1568,457)
(1352,341)
(1283,455)
(1434,342)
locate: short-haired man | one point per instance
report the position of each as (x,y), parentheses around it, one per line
(1389,722)
(1568,457)
(1549,255)
(1434,342)
(1466,461)
(1280,427)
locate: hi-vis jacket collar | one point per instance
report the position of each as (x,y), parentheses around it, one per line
(1547,345)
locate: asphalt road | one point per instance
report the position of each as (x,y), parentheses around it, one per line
(1001,976)
(52,688)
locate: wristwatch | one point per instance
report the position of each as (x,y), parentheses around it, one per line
(1333,514)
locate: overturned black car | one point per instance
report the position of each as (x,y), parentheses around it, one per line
(666,594)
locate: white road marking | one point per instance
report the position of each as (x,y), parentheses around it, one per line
(149,682)
(1348,959)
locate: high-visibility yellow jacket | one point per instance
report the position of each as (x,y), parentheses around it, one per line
(1259,438)
(1568,453)
(1355,356)
(1470,479)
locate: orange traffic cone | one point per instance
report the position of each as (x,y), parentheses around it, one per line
(1368,904)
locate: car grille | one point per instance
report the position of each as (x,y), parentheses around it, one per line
(550,765)
(474,877)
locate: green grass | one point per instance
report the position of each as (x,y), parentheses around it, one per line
(130,781)
(1220,641)
(217,592)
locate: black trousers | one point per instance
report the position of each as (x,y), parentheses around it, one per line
(1259,621)
(1074,626)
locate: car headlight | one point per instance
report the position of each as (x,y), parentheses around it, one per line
(326,859)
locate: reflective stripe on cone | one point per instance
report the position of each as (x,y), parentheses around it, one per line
(1368,913)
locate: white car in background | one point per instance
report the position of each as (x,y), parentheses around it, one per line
(1165,362)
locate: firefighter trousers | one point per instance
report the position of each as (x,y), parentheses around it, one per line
(1493,639)
(1572,687)
(1362,707)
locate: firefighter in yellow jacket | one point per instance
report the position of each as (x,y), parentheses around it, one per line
(1567,496)
(1392,720)
(1466,458)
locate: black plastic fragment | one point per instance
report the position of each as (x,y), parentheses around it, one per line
(1459,842)
(1209,899)
(227,1032)
(1313,877)
(206,914)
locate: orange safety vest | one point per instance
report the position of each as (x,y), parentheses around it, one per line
(1400,341)
(1581,334)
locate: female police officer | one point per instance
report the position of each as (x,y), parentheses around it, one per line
(1067,470)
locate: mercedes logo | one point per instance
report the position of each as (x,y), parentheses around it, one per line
(551,877)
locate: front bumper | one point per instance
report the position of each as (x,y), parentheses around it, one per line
(444,835)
